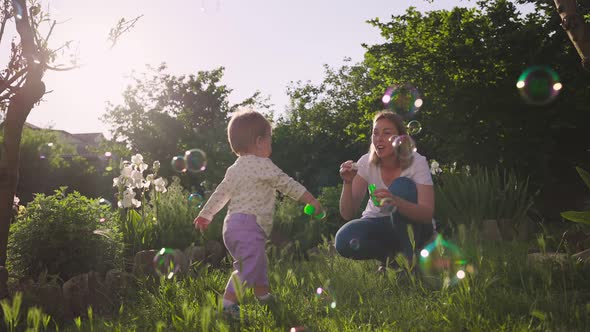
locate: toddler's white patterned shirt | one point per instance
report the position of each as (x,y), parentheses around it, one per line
(250,186)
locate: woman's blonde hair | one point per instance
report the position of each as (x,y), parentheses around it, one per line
(398,122)
(244,128)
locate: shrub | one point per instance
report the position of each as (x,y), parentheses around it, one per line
(291,222)
(64,235)
(582,217)
(175,215)
(468,197)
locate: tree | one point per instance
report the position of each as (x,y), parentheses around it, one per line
(21,88)
(164,115)
(314,137)
(578,31)
(465,62)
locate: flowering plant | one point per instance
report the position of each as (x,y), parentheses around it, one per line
(135,191)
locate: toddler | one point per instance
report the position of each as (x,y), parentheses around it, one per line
(250,186)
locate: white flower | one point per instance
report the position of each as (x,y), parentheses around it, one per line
(435,167)
(160,185)
(128,199)
(137,161)
(120,181)
(137,179)
(156,166)
(148,181)
(16,200)
(126,171)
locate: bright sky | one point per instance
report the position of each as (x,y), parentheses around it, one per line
(263,44)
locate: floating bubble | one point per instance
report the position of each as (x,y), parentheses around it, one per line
(105,202)
(45,150)
(195,200)
(165,263)
(354,244)
(403,99)
(442,263)
(109,161)
(404,146)
(414,127)
(196,160)
(178,164)
(539,85)
(325,298)
(299,329)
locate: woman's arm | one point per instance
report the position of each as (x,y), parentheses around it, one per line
(353,191)
(422,212)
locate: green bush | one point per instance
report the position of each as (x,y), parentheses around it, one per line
(469,197)
(305,232)
(64,235)
(164,220)
(175,215)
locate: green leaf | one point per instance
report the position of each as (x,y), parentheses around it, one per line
(584,175)
(582,217)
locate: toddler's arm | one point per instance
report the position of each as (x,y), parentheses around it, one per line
(215,203)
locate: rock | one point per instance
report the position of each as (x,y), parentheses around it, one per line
(76,294)
(98,294)
(50,297)
(195,255)
(143,263)
(215,252)
(118,282)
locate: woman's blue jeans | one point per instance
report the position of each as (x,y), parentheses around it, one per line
(383,237)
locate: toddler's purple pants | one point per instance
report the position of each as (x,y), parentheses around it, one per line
(245,240)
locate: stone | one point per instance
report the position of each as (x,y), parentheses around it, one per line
(196,255)
(143,263)
(214,251)
(76,294)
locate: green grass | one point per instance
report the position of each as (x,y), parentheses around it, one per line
(504,294)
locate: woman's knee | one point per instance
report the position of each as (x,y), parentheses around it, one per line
(340,241)
(405,188)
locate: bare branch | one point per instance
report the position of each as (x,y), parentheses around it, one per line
(122,27)
(8,83)
(50,30)
(5,17)
(61,68)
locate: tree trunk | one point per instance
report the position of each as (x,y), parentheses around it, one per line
(19,107)
(577,30)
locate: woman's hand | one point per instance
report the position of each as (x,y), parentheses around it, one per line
(385,196)
(348,171)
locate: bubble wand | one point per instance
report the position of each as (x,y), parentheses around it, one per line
(310,210)
(372,188)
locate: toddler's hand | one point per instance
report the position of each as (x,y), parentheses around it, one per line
(318,207)
(201,223)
